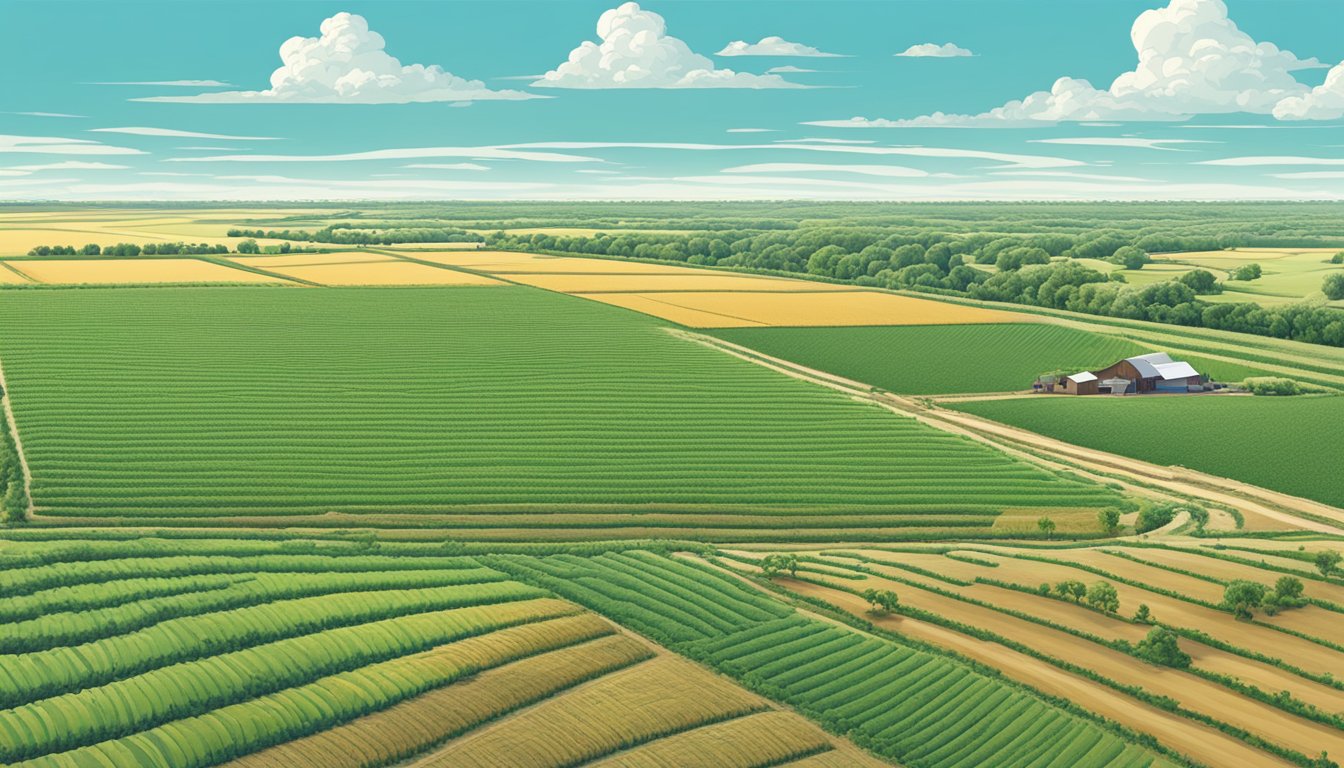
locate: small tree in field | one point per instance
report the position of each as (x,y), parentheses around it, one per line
(1287,594)
(1243,597)
(1327,560)
(881,601)
(1143,615)
(1110,520)
(1333,287)
(1071,589)
(1161,646)
(771,565)
(1047,526)
(1103,597)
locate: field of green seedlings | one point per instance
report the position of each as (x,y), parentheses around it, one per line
(892,698)
(1289,444)
(952,359)
(496,412)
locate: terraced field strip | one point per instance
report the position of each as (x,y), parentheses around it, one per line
(1194,693)
(1202,743)
(899,701)
(508,262)
(1171,611)
(481,402)
(747,307)
(690,280)
(135,271)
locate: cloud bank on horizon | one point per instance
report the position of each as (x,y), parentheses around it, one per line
(348,64)
(1192,59)
(637,52)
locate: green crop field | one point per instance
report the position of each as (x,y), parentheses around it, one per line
(951,359)
(1288,444)
(460,406)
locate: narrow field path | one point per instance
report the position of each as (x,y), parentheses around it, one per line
(8,415)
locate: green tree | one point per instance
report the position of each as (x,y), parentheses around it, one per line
(1333,286)
(1162,646)
(248,246)
(1287,594)
(1143,615)
(1103,597)
(91,249)
(1338,258)
(1071,589)
(1327,560)
(1243,597)
(1154,517)
(1247,272)
(1201,281)
(881,601)
(1047,526)
(1110,520)
(1323,761)
(1130,256)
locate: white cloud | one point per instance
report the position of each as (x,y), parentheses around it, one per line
(933,50)
(53,145)
(1324,102)
(599,172)
(897,171)
(171,83)
(1309,175)
(1192,59)
(169,132)
(751,130)
(1123,141)
(1258,160)
(788,69)
(216,149)
(410,153)
(826,141)
(347,65)
(64,165)
(449,166)
(637,52)
(1071,175)
(44,114)
(1008,159)
(772,46)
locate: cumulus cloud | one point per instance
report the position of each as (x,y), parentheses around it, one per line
(935,51)
(347,65)
(1324,102)
(1192,59)
(637,52)
(771,46)
(788,69)
(172,133)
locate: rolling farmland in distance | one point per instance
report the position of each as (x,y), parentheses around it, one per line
(495,502)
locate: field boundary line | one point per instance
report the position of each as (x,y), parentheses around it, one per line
(1313,515)
(7,411)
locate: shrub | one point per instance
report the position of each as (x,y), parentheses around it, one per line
(1333,286)
(1161,646)
(1273,386)
(1243,597)
(1247,272)
(1202,282)
(1154,517)
(1103,597)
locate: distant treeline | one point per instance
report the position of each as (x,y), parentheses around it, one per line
(940,262)
(129,249)
(364,234)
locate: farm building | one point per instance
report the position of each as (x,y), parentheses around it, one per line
(1153,372)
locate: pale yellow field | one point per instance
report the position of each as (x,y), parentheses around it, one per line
(694,281)
(113,271)
(505,261)
(741,309)
(10,277)
(383,273)
(310,259)
(18,241)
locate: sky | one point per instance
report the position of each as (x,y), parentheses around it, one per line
(705,99)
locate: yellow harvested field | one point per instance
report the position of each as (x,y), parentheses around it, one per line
(655,698)
(382,273)
(135,271)
(507,261)
(765,738)
(744,309)
(309,259)
(689,280)
(10,277)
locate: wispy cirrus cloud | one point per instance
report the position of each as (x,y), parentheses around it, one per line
(176,134)
(56,145)
(170,83)
(1132,142)
(406,153)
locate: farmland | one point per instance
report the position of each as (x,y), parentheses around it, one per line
(472,393)
(1297,460)
(533,506)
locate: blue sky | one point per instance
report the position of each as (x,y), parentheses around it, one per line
(904,100)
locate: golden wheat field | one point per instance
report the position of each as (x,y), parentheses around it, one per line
(741,309)
(372,271)
(692,280)
(509,261)
(309,259)
(139,271)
